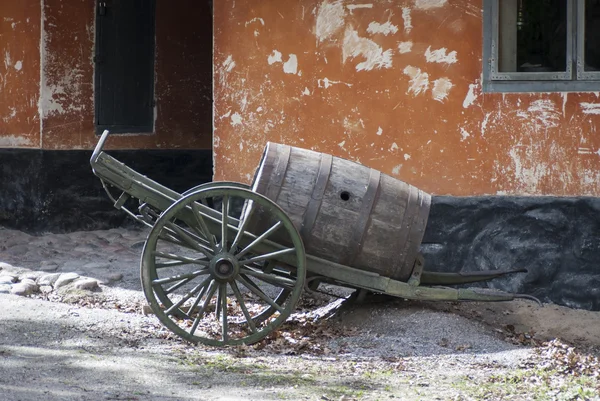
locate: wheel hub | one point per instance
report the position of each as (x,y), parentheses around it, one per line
(224,267)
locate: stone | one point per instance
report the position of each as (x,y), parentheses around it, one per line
(86,284)
(28,281)
(48,278)
(7,279)
(48,266)
(5,266)
(5,288)
(65,278)
(45,289)
(23,289)
(30,275)
(113,278)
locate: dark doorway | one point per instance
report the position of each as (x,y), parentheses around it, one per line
(124,77)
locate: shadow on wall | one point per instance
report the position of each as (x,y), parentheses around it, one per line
(555,239)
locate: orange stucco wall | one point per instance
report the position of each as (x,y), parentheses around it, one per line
(19,73)
(394,85)
(54,41)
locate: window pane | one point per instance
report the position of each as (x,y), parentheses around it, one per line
(533,36)
(592,35)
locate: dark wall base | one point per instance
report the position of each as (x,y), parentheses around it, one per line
(56,191)
(556,239)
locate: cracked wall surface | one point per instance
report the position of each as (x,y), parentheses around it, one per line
(47,76)
(394,85)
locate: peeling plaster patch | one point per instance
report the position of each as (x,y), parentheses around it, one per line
(228,64)
(306,92)
(590,108)
(257,19)
(526,170)
(330,18)
(464,134)
(291,66)
(226,114)
(542,112)
(471,96)
(7,60)
(18,65)
(355,46)
(394,146)
(405,47)
(588,151)
(484,123)
(407,19)
(441,88)
(440,56)
(384,29)
(564,96)
(419,81)
(341,144)
(53,97)
(379,131)
(275,57)
(236,119)
(13,141)
(396,169)
(429,4)
(406,156)
(326,83)
(352,7)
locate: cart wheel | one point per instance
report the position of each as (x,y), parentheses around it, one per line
(210,280)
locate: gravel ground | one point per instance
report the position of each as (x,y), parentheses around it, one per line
(97,344)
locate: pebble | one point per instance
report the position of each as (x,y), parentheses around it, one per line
(23,288)
(5,288)
(65,278)
(48,279)
(86,284)
(7,279)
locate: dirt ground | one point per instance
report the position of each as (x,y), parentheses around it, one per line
(99,345)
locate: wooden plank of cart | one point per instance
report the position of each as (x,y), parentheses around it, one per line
(225,263)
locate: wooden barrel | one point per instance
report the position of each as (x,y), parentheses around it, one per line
(346,213)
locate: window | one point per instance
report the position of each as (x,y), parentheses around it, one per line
(541,45)
(124,64)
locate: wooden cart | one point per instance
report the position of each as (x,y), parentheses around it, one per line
(224,264)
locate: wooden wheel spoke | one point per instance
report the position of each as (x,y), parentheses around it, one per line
(168,237)
(223,297)
(187,296)
(224,222)
(209,294)
(258,240)
(240,299)
(177,277)
(273,279)
(201,262)
(172,237)
(205,288)
(185,236)
(202,224)
(266,256)
(243,223)
(185,259)
(249,284)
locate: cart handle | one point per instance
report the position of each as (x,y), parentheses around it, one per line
(99,146)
